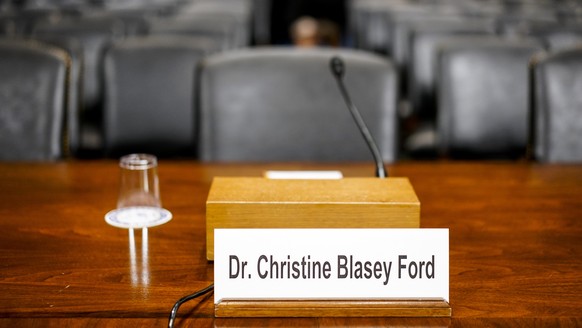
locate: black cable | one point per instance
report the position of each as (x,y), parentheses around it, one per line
(184,300)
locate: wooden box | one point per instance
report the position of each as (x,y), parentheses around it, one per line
(342,203)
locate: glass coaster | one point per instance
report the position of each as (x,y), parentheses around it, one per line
(138,217)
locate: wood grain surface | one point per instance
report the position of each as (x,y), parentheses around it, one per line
(337,203)
(515,245)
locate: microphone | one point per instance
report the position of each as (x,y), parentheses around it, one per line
(337,68)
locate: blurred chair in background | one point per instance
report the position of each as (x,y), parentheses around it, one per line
(369,25)
(483,98)
(94,34)
(237,13)
(283,104)
(33,79)
(403,23)
(425,38)
(556,37)
(557,104)
(196,25)
(73,115)
(150,95)
(227,20)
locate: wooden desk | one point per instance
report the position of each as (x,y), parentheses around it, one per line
(515,245)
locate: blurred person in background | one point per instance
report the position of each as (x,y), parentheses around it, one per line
(307,31)
(288,16)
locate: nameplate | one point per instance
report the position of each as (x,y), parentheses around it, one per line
(331,264)
(309,175)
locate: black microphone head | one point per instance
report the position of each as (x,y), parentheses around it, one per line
(337,66)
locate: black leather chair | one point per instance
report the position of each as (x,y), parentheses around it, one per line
(73,117)
(234,13)
(94,34)
(225,27)
(370,25)
(483,97)
(557,114)
(150,95)
(33,79)
(283,104)
(425,37)
(134,20)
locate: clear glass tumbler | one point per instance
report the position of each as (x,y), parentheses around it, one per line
(139,185)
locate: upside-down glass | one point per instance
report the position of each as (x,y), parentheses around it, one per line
(139,181)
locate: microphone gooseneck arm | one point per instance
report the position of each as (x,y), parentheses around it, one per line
(337,68)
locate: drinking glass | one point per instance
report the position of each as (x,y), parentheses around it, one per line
(139,181)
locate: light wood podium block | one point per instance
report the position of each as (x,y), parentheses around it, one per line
(342,203)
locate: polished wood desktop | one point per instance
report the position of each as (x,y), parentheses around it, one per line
(515,245)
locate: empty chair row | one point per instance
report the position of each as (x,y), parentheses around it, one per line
(250,17)
(423,45)
(260,104)
(228,20)
(381,25)
(87,38)
(409,33)
(80,6)
(86,94)
(282,104)
(93,29)
(273,104)
(497,99)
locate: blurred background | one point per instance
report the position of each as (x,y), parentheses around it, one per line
(410,34)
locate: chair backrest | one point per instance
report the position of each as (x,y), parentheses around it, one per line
(483,100)
(283,104)
(403,24)
(370,25)
(558,106)
(150,95)
(94,34)
(425,39)
(562,37)
(33,79)
(235,13)
(220,28)
(73,117)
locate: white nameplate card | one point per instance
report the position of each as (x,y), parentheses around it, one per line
(257,264)
(309,175)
